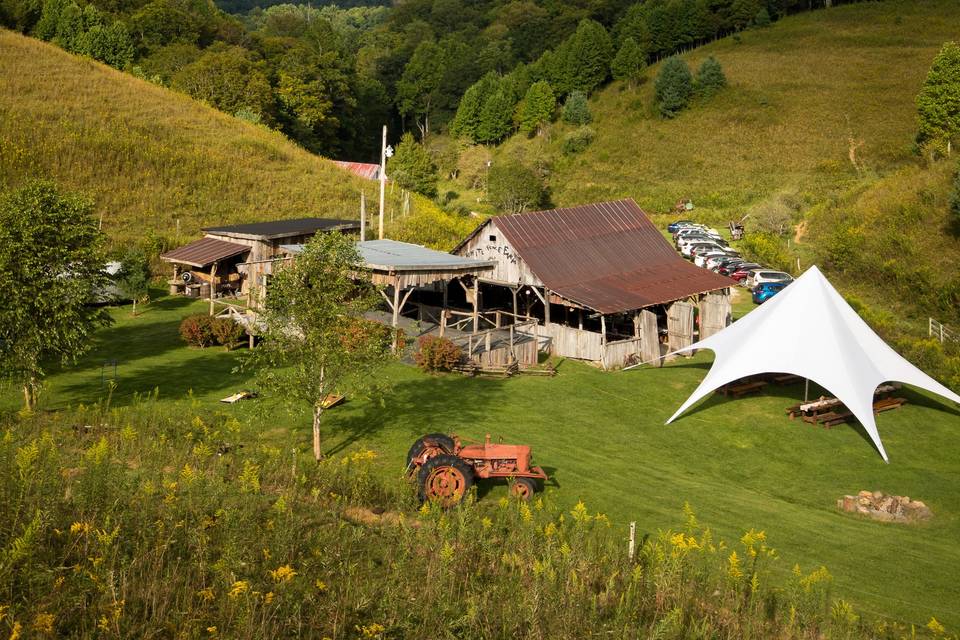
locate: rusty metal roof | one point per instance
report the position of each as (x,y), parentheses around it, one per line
(204,252)
(276,229)
(606,256)
(362,169)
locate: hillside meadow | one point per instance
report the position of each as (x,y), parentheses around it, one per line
(152,159)
(740,464)
(798,92)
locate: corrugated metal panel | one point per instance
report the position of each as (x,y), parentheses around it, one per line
(607,256)
(362,169)
(204,252)
(393,255)
(283,228)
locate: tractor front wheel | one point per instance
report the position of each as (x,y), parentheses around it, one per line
(441,440)
(523,488)
(445,479)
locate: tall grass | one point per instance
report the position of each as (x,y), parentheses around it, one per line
(153,159)
(153,521)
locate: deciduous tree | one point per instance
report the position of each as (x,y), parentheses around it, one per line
(315,340)
(51,264)
(418,88)
(938,103)
(629,63)
(133,279)
(412,168)
(514,188)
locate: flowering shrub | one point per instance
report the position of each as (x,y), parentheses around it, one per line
(437,354)
(226,332)
(197,330)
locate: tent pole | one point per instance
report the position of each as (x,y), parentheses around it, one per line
(806,389)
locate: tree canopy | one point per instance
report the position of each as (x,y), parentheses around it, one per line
(537,107)
(514,188)
(629,63)
(315,340)
(674,87)
(52,265)
(412,168)
(938,103)
(710,77)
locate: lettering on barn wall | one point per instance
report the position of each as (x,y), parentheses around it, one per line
(493,251)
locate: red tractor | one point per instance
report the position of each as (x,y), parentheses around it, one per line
(446,469)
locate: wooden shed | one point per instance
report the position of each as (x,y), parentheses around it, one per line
(603,280)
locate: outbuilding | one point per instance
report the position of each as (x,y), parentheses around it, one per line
(602,279)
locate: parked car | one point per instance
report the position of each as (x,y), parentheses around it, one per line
(675,226)
(712,260)
(729,267)
(691,250)
(742,271)
(766,290)
(760,277)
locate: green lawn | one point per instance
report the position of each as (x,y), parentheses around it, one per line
(601,436)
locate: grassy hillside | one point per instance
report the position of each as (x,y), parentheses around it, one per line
(149,156)
(799,90)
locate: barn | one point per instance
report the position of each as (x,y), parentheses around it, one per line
(604,282)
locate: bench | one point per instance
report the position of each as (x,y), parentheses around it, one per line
(829,418)
(737,390)
(786,378)
(888,403)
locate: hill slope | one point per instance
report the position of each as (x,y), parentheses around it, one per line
(150,157)
(799,90)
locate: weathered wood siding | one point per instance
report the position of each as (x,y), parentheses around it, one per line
(680,325)
(489,244)
(650,338)
(617,354)
(715,313)
(571,342)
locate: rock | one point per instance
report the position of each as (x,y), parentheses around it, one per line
(863,510)
(848,503)
(882,516)
(905,500)
(865,494)
(886,505)
(877,495)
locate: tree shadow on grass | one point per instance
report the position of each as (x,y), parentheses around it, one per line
(440,404)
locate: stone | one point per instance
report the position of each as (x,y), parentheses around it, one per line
(877,495)
(863,510)
(865,494)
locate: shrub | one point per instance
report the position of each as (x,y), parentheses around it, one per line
(576,110)
(673,88)
(577,141)
(437,354)
(226,331)
(197,330)
(514,188)
(710,78)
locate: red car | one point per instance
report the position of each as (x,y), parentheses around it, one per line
(743,270)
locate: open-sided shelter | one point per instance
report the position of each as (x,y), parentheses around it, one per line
(809,330)
(602,278)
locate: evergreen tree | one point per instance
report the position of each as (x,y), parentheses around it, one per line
(588,56)
(412,168)
(496,119)
(710,78)
(938,103)
(743,12)
(629,63)
(467,119)
(633,24)
(576,110)
(674,87)
(762,19)
(538,107)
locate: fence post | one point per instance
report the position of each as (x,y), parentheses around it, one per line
(633,540)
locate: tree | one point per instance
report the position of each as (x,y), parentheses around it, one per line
(673,88)
(496,118)
(938,103)
(576,110)
(51,262)
(629,63)
(314,339)
(412,168)
(589,52)
(514,188)
(228,80)
(710,78)
(418,88)
(538,107)
(467,120)
(133,278)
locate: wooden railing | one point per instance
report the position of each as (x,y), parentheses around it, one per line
(486,339)
(940,331)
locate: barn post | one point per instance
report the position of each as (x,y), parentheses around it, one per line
(476,304)
(396,311)
(636,323)
(213,285)
(514,290)
(546,306)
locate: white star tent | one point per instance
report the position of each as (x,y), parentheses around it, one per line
(809,330)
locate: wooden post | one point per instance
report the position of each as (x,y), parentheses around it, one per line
(580,319)
(486,342)
(633,541)
(363,216)
(383,177)
(476,304)
(546,306)
(603,329)
(514,290)
(396,313)
(213,285)
(636,324)
(443,320)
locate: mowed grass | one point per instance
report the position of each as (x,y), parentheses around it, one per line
(601,436)
(798,92)
(150,157)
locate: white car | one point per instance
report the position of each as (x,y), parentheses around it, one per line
(713,261)
(760,276)
(703,257)
(690,250)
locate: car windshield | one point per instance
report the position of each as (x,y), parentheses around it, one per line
(775,275)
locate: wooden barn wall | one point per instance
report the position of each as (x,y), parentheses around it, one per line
(571,342)
(617,355)
(510,269)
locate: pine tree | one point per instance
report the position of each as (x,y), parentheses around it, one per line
(576,110)
(588,56)
(710,78)
(466,122)
(629,63)
(938,103)
(674,87)
(538,107)
(496,119)
(412,168)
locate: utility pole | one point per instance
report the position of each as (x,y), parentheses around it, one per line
(383,176)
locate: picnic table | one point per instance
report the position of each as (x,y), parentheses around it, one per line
(738,389)
(828,411)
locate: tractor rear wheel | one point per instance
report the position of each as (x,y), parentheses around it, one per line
(445,479)
(523,488)
(441,440)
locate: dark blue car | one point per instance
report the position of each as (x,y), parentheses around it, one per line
(674,226)
(766,290)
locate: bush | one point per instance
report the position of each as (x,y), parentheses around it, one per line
(437,354)
(576,110)
(197,330)
(710,78)
(673,88)
(578,140)
(226,331)
(514,188)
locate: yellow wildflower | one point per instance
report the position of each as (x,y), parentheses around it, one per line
(56,585)
(580,513)
(935,627)
(733,567)
(320,585)
(268,598)
(80,527)
(206,594)
(550,530)
(525,514)
(43,623)
(283,574)
(212,631)
(375,630)
(15,631)
(239,587)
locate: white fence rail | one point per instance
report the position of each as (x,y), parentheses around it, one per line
(941,331)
